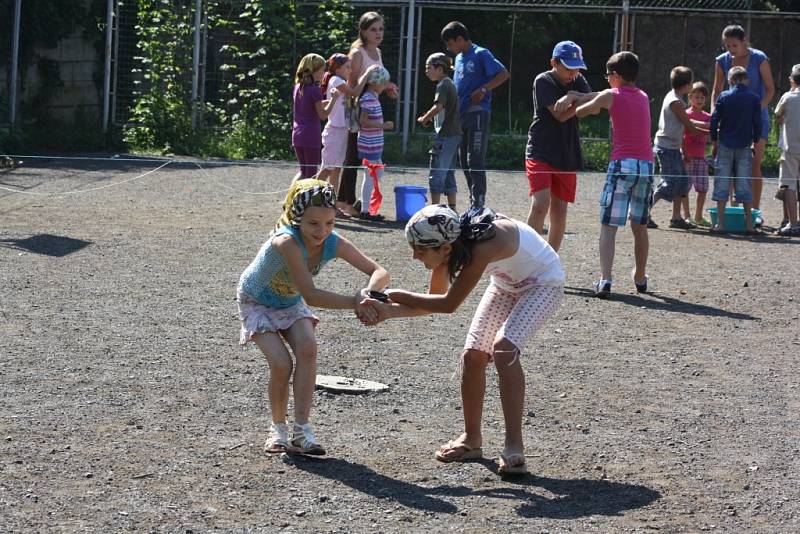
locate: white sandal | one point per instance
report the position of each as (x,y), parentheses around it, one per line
(278,440)
(304,441)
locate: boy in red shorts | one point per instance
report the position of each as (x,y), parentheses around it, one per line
(553,154)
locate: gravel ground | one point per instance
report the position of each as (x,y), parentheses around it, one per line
(128,405)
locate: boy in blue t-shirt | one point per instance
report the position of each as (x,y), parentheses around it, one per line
(477,72)
(735,125)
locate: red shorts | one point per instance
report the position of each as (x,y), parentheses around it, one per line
(542,175)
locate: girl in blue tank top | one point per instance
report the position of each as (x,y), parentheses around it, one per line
(274,295)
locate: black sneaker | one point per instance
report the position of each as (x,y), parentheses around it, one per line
(602,288)
(651,223)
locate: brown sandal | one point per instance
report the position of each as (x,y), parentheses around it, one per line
(467,452)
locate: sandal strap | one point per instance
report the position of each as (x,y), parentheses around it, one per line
(304,437)
(278,434)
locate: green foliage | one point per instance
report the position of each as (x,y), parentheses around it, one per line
(261,71)
(162,113)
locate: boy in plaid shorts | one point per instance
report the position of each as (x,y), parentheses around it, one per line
(629,182)
(694,153)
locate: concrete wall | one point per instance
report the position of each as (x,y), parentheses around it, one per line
(79,65)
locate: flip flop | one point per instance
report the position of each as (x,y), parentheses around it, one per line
(467,453)
(506,467)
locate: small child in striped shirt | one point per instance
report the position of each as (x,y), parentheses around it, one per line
(370,137)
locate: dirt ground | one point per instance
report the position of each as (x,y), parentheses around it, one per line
(127,404)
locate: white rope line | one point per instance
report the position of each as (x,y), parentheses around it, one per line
(81,191)
(241,191)
(294,165)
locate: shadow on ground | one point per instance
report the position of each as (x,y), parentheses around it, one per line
(46,244)
(654,301)
(565,499)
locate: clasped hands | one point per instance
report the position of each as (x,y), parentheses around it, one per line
(371,311)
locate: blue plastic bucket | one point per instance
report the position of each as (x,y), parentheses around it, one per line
(734,217)
(408,200)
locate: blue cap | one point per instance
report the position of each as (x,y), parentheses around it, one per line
(569,54)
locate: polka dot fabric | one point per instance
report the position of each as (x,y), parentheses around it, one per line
(514,316)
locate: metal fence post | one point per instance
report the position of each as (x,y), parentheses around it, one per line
(407,82)
(196,61)
(107,67)
(15,64)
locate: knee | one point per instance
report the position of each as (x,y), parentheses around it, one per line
(306,350)
(280,368)
(474,360)
(504,352)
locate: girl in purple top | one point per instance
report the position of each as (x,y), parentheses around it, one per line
(309,108)
(739,54)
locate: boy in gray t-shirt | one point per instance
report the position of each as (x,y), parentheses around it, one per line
(667,147)
(444,112)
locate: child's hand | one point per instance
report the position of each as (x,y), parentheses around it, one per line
(477,95)
(366,312)
(397,295)
(423,121)
(388,125)
(392,91)
(564,103)
(335,93)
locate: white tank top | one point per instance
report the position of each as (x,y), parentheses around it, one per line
(535,263)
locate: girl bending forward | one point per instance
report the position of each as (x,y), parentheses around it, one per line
(274,296)
(526,289)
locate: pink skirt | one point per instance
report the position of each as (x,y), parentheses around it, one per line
(334,146)
(258,319)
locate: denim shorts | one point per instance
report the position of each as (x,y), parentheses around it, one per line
(674,182)
(442,178)
(731,164)
(627,191)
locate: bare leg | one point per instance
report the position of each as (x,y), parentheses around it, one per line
(748,221)
(280,370)
(687,214)
(790,204)
(721,214)
(435,198)
(473,390)
(304,345)
(451,200)
(701,202)
(758,182)
(540,204)
(512,395)
(333,178)
(608,236)
(558,222)
(641,248)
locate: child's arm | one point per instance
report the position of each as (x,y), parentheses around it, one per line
(304,282)
(368,123)
(693,127)
(428,116)
(569,102)
(447,302)
(356,90)
(324,107)
(601,100)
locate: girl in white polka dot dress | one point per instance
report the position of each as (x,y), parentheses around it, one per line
(526,289)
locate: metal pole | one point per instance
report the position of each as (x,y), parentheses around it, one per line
(196,60)
(416,76)
(511,67)
(397,105)
(107,67)
(15,63)
(407,82)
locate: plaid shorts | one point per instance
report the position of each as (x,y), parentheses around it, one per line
(697,168)
(628,191)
